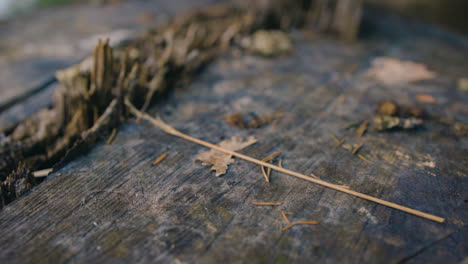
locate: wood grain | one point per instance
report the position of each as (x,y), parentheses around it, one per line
(111,205)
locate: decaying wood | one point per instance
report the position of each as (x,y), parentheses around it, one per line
(166,57)
(111,205)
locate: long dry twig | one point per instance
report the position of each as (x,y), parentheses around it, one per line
(157,122)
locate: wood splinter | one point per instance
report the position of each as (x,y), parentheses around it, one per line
(42,173)
(157,122)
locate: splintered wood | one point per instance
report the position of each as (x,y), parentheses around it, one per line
(172,131)
(88,103)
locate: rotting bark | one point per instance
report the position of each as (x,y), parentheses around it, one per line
(89,102)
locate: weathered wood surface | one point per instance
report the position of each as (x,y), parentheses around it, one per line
(111,205)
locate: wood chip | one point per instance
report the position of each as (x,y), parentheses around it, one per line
(392,71)
(42,173)
(159,159)
(300,223)
(266,203)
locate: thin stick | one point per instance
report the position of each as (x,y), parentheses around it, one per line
(299,223)
(266,203)
(170,130)
(280,163)
(159,159)
(285,217)
(112,136)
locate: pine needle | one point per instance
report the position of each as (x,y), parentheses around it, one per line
(266,203)
(157,122)
(159,159)
(300,223)
(285,217)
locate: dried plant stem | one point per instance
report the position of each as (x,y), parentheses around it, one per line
(299,223)
(170,130)
(265,203)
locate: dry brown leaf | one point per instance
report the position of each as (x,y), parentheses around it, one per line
(393,71)
(220,161)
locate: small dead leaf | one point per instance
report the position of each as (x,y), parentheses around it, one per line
(426,98)
(393,71)
(220,161)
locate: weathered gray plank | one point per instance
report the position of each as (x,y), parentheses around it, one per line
(111,205)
